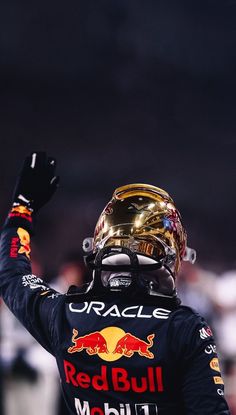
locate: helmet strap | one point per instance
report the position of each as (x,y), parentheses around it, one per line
(137,284)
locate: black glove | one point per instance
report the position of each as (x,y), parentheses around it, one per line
(35,185)
(37,181)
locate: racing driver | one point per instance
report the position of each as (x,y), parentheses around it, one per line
(123,343)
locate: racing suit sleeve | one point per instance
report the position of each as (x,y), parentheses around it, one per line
(30,299)
(198,366)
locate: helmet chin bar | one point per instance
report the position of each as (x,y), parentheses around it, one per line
(131,278)
(95,262)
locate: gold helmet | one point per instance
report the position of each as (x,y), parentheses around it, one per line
(144,219)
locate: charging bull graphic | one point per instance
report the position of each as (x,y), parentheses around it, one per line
(93,343)
(112,343)
(130,344)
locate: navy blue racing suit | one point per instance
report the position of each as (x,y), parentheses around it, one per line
(116,355)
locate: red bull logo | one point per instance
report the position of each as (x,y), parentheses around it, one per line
(130,344)
(21,211)
(115,379)
(24,241)
(111,344)
(93,343)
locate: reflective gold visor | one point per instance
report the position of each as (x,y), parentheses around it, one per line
(143,218)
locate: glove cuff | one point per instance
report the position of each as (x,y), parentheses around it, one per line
(21,216)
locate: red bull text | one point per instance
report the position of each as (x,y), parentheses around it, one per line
(115,379)
(14,247)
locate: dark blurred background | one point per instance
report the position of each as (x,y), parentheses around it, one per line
(123,92)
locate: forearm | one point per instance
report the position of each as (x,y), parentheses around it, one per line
(35,185)
(27,295)
(14,261)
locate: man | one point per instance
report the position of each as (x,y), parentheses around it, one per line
(124,345)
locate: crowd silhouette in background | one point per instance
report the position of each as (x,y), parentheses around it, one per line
(30,382)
